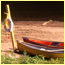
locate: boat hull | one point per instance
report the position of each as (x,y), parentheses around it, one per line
(32,50)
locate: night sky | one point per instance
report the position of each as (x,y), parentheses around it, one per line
(34,9)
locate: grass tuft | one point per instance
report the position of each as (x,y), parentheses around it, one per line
(26,59)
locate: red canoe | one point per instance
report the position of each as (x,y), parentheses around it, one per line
(50,44)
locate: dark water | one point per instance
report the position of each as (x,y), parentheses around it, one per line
(34,10)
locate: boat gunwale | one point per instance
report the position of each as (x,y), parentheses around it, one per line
(42,40)
(45,44)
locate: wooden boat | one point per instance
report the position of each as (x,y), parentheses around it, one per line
(59,45)
(40,50)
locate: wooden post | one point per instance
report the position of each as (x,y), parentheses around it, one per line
(12,33)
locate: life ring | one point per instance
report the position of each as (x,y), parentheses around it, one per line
(6,24)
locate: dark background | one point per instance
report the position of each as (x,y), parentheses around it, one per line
(34,10)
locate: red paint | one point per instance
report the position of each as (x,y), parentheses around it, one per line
(41,42)
(61,44)
(7,37)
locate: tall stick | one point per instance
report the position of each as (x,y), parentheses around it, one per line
(12,33)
